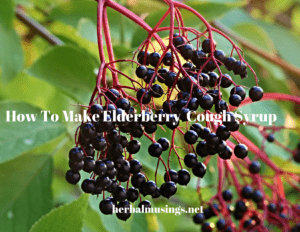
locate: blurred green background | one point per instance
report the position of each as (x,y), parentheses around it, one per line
(36,75)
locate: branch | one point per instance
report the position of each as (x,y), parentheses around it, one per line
(250,46)
(37,28)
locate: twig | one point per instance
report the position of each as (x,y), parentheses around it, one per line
(37,28)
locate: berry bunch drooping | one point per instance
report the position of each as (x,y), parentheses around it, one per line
(173,93)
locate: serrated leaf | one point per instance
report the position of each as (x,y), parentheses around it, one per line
(70,69)
(25,191)
(18,137)
(68,217)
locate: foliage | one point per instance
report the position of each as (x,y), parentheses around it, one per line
(36,76)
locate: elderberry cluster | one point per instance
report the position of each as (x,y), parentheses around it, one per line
(102,146)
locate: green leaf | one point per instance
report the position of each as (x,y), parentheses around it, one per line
(256,35)
(71,12)
(11,54)
(87,29)
(92,222)
(70,69)
(25,192)
(212,9)
(68,217)
(7,13)
(19,137)
(286,43)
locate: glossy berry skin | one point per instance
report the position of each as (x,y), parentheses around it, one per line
(191,137)
(137,180)
(205,79)
(76,166)
(257,196)
(226,81)
(106,206)
(193,104)
(100,168)
(238,90)
(132,194)
(88,131)
(144,205)
(76,154)
(190,160)
(88,185)
(221,106)
(72,177)
(165,143)
(227,195)
(89,151)
(223,133)
(241,207)
(199,170)
(254,167)
(124,215)
(113,137)
(199,218)
(155,150)
(135,166)
(256,93)
(89,164)
(173,175)
(150,76)
(206,45)
(235,100)
(270,138)
(235,126)
(125,167)
(154,59)
(186,51)
(141,71)
(197,127)
(141,57)
(156,91)
(213,77)
(168,189)
(198,57)
(104,181)
(183,177)
(123,141)
(168,59)
(201,149)
(133,147)
(177,40)
(241,151)
(96,109)
(272,207)
(143,96)
(120,194)
(206,102)
(226,154)
(150,187)
(170,78)
(229,61)
(247,192)
(212,140)
(161,75)
(221,224)
(123,103)
(99,143)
